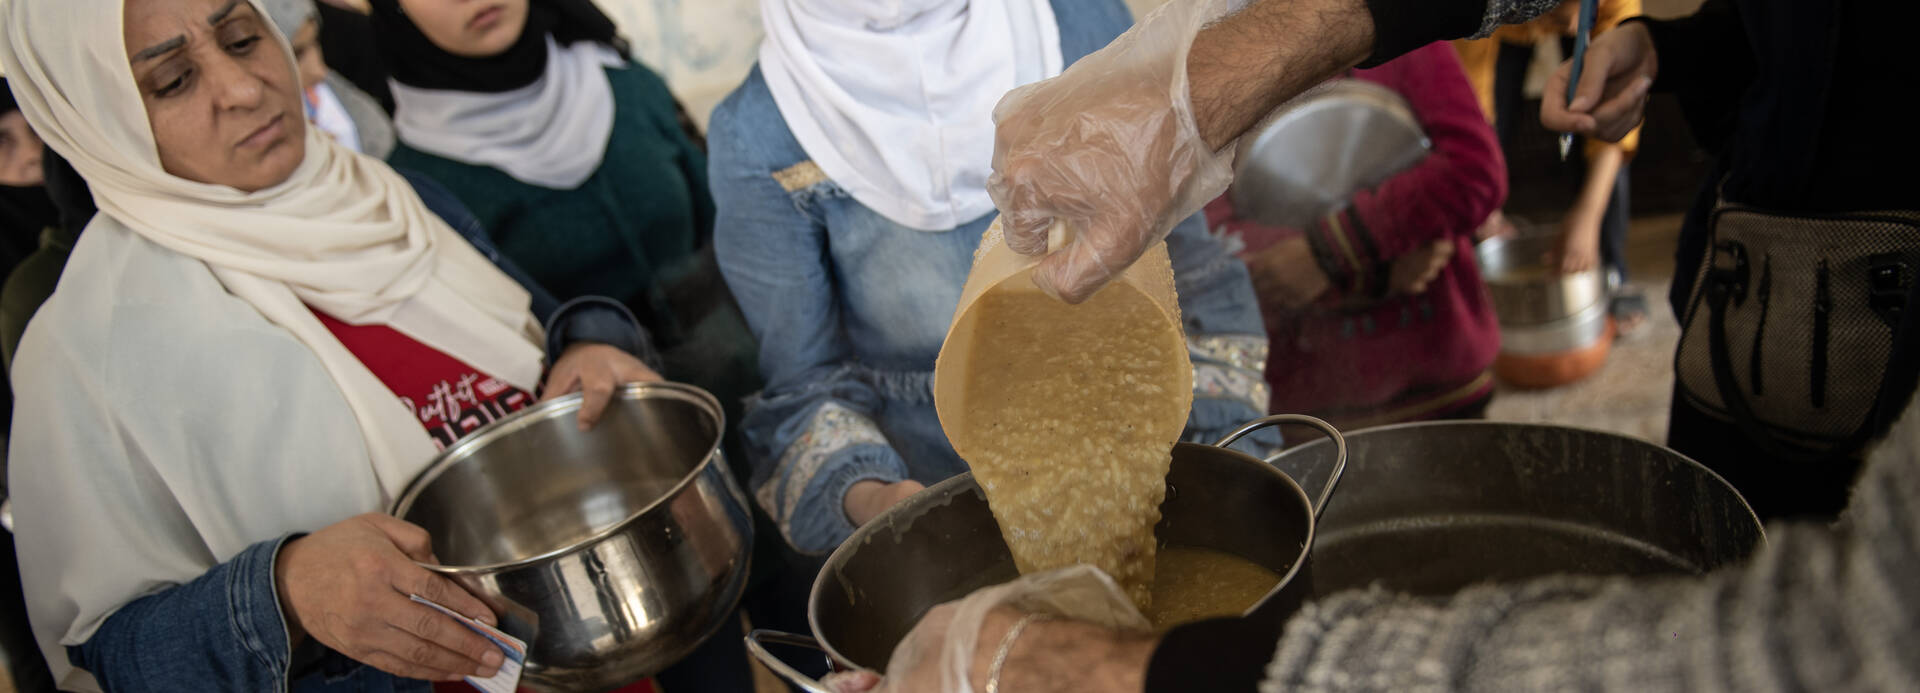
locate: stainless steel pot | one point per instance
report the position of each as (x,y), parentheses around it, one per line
(1308,158)
(614,552)
(1576,331)
(943,543)
(1525,291)
(1430,508)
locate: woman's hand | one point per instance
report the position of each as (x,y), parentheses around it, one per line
(347,587)
(1497,225)
(1285,275)
(596,370)
(865,500)
(1413,271)
(1578,248)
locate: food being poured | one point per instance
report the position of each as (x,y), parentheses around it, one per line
(1068,414)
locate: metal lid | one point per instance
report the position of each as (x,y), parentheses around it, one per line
(1312,154)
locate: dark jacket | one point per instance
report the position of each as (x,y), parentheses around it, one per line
(1799,101)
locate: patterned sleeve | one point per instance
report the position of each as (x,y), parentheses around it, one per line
(1226,339)
(810,434)
(1400,26)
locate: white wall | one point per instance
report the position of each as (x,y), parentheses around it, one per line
(702,47)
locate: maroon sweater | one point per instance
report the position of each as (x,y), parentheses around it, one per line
(1360,359)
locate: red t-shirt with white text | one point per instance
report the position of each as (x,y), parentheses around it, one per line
(450,398)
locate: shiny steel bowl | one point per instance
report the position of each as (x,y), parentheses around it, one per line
(614,552)
(1577,331)
(1526,292)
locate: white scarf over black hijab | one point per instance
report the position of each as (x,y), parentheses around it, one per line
(541,111)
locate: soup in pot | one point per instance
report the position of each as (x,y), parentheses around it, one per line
(1192,584)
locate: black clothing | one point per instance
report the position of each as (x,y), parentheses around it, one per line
(346,39)
(1801,102)
(415,61)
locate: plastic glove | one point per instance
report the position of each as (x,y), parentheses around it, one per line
(1111,147)
(945,653)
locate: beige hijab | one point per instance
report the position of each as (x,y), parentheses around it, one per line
(345,234)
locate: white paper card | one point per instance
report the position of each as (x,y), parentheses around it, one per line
(507,680)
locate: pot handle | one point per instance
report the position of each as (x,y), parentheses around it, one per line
(1339,448)
(756,644)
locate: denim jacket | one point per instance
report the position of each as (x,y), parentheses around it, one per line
(224,630)
(851,308)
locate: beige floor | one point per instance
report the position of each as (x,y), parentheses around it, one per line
(1630,393)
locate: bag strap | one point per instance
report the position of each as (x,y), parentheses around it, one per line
(1897,382)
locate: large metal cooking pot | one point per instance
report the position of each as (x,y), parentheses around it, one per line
(943,543)
(1430,508)
(614,552)
(1308,158)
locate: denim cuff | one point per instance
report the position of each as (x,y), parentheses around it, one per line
(820,522)
(1212,419)
(253,603)
(600,320)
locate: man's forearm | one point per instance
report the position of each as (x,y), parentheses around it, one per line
(1244,66)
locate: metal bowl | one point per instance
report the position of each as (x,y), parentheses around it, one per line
(1430,508)
(1567,334)
(1309,157)
(614,551)
(1525,291)
(943,543)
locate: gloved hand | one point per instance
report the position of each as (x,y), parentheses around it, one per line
(1110,146)
(1082,616)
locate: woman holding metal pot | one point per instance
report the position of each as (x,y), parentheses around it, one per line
(215,379)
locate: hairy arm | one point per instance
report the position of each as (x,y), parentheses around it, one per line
(1244,66)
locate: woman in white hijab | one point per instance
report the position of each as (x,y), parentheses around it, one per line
(849,173)
(214,422)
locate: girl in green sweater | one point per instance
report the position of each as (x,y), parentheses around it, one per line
(579,165)
(576,161)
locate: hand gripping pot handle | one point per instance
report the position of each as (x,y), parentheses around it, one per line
(1339,449)
(756,643)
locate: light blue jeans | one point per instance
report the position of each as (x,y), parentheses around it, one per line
(850,310)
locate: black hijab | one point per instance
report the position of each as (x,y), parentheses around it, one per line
(24,212)
(413,60)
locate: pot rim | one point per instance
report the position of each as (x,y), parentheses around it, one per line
(554,407)
(1710,473)
(938,493)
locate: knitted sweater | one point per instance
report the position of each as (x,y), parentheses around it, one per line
(1817,609)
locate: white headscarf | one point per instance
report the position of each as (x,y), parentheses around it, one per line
(552,133)
(345,234)
(893,99)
